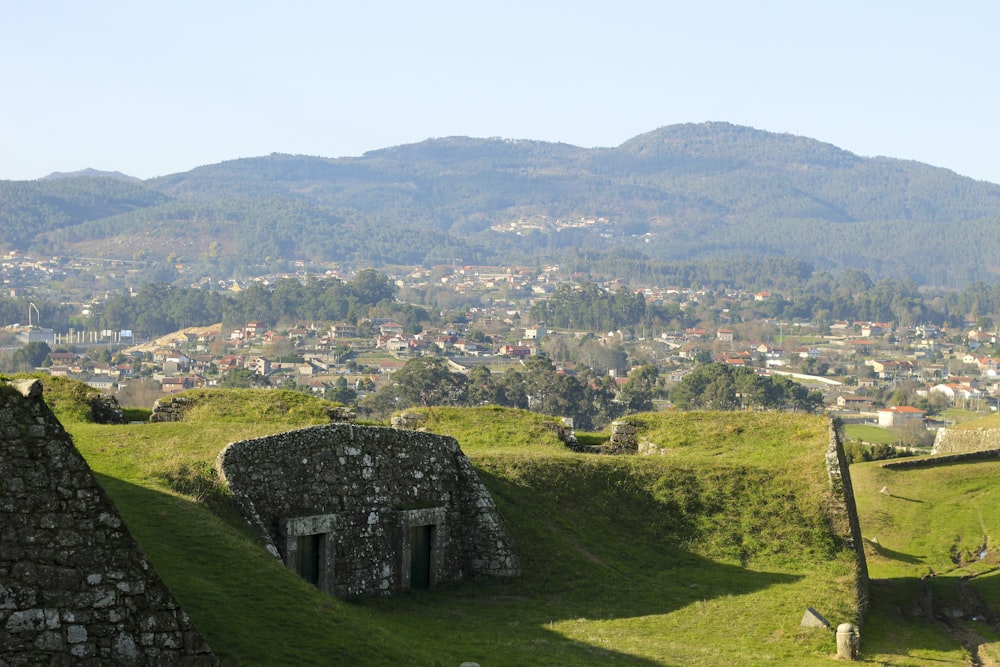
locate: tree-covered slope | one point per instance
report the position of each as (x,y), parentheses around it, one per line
(30,208)
(683,191)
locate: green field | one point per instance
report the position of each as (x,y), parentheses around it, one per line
(933,562)
(706,555)
(869,434)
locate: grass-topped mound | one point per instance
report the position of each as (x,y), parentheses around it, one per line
(73,401)
(737,486)
(707,554)
(248,406)
(493,428)
(988,422)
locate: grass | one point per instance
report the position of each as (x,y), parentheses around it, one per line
(868,433)
(958,416)
(495,428)
(706,555)
(253,405)
(978,421)
(927,529)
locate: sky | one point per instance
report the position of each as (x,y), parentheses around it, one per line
(153,87)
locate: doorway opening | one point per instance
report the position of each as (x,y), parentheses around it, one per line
(424,536)
(309,544)
(420,556)
(307,557)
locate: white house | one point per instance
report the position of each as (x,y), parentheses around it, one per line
(899,415)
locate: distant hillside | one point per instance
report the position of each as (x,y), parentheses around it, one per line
(681,192)
(91,172)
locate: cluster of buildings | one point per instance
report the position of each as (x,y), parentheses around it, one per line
(855,364)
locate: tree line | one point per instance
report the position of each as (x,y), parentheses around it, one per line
(590,400)
(160,308)
(720,387)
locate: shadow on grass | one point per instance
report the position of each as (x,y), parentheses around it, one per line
(894,555)
(595,561)
(909,500)
(251,610)
(902,621)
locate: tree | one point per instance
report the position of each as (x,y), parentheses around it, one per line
(370,287)
(639,391)
(481,388)
(719,387)
(30,356)
(427,381)
(511,390)
(693,392)
(341,392)
(243,378)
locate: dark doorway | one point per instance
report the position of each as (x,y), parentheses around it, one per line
(307,557)
(420,556)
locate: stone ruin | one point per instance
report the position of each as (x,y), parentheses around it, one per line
(624,438)
(361,510)
(75,589)
(170,409)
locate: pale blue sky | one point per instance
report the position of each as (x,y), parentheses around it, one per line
(152,87)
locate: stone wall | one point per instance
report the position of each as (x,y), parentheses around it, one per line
(74,586)
(958,441)
(940,460)
(170,409)
(844,511)
(358,499)
(624,438)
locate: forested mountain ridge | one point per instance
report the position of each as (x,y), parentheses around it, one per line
(681,192)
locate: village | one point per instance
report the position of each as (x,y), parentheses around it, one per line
(868,372)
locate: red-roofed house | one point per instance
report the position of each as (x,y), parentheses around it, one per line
(899,415)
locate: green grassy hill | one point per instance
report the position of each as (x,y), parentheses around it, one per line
(706,555)
(931,552)
(975,422)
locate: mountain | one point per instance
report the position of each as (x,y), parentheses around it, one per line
(92,172)
(682,192)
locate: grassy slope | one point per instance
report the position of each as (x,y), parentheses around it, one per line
(990,421)
(931,525)
(707,555)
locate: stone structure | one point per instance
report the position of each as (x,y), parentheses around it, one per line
(960,441)
(844,512)
(567,434)
(342,414)
(170,409)
(847,642)
(650,448)
(624,438)
(408,421)
(940,460)
(74,586)
(368,510)
(105,409)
